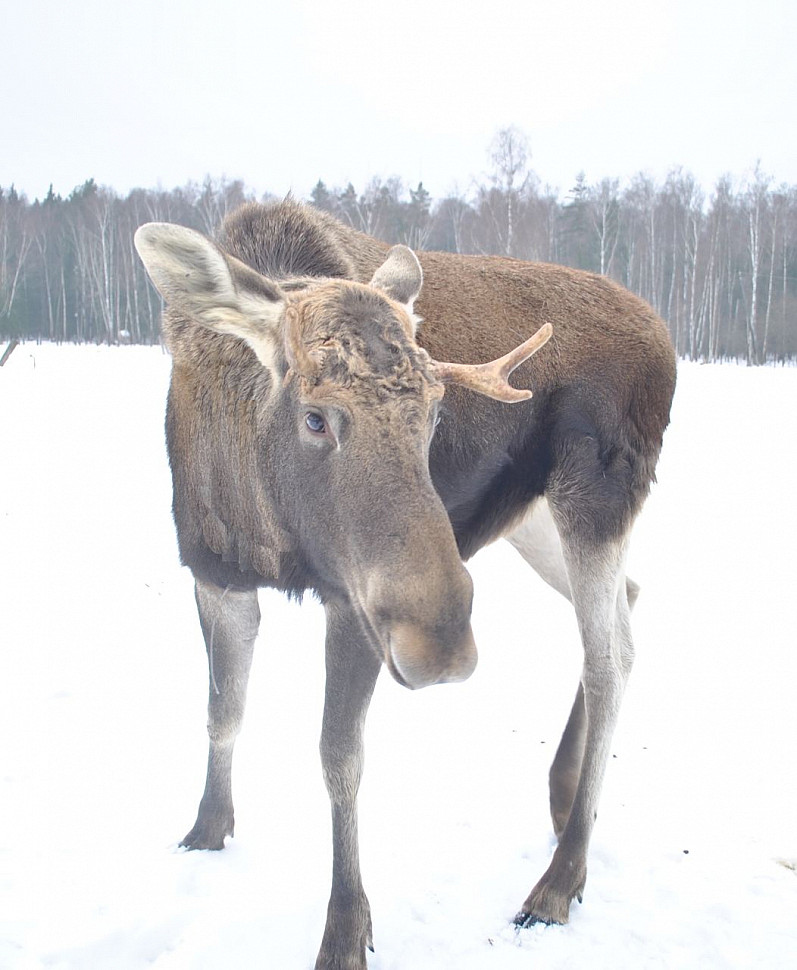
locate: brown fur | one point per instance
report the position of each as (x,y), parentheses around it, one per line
(607,374)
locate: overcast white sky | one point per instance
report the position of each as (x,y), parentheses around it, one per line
(280,94)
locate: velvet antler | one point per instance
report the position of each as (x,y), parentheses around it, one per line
(492,379)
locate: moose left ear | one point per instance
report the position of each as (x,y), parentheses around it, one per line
(400,276)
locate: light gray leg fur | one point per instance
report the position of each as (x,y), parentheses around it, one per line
(352,669)
(230,620)
(595,582)
(537,540)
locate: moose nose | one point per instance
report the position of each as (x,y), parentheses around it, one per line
(417,659)
(423,623)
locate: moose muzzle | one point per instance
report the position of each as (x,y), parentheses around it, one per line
(417,659)
(424,633)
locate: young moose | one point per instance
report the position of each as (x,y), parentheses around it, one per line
(318,442)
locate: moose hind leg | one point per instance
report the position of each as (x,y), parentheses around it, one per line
(229,620)
(566,768)
(537,540)
(599,593)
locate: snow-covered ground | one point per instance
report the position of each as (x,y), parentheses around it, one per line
(103,709)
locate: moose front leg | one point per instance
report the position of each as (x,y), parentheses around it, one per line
(601,602)
(230,620)
(352,668)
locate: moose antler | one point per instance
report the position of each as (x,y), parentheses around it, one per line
(492,379)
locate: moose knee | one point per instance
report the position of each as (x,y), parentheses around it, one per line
(342,771)
(225,716)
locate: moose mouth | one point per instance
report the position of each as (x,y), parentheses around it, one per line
(390,663)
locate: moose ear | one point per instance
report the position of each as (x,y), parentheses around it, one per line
(218,292)
(400,276)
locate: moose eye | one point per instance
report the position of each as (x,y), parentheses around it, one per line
(315,422)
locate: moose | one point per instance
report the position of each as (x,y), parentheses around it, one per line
(340,420)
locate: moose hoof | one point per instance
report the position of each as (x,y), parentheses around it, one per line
(346,938)
(549,901)
(209,832)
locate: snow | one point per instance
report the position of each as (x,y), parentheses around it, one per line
(102,718)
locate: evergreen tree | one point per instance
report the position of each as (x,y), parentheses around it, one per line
(577,249)
(321,197)
(418,217)
(349,207)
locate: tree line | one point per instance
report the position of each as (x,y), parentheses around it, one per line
(722,270)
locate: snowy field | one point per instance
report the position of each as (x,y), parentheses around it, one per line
(103,710)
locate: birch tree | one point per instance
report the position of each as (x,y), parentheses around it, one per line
(15,244)
(755,203)
(604,212)
(509,154)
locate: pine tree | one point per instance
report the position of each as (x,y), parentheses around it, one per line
(577,248)
(321,197)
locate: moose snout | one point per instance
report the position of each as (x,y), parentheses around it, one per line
(424,627)
(417,659)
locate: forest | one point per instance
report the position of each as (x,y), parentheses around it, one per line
(720,269)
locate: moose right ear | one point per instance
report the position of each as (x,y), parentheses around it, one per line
(192,274)
(400,276)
